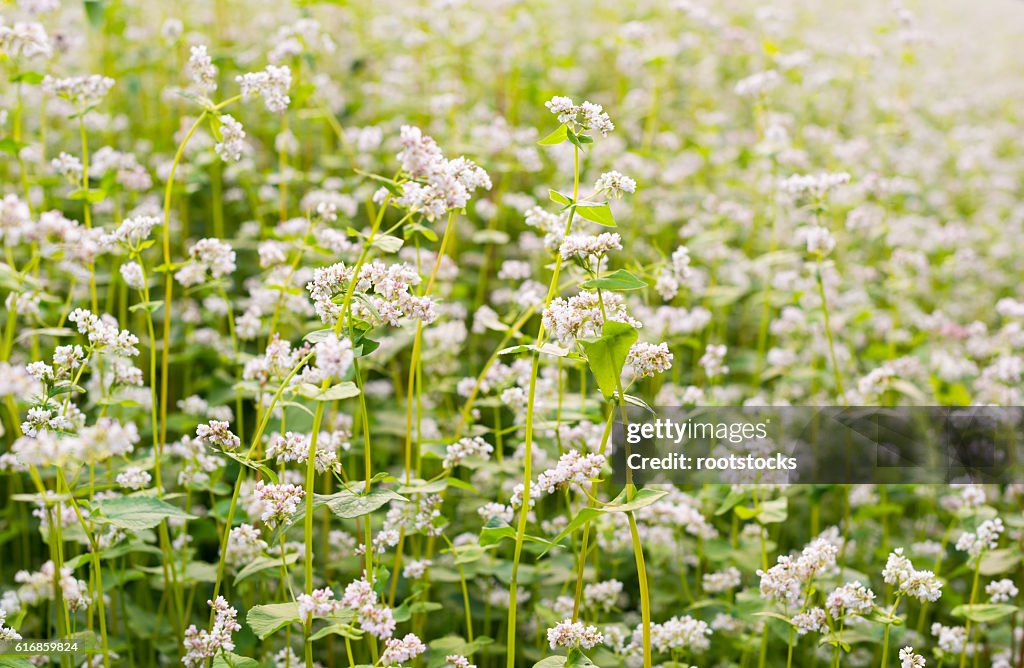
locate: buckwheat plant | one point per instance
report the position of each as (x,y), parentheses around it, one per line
(318,319)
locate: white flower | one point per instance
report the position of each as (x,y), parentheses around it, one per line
(210,258)
(684,634)
(757,83)
(201,69)
(852,597)
(602,595)
(568,633)
(271,84)
(131,232)
(810,621)
(466,448)
(133,275)
(232,143)
(204,645)
(910,660)
(320,603)
(922,585)
(819,240)
(587,116)
(986,537)
(277,503)
(5,632)
(722,580)
(712,361)
(951,638)
(399,651)
(615,184)
(334,356)
(83,91)
(648,359)
(244,545)
(217,432)
(584,245)
(133,477)
(1000,591)
(25,40)
(68,166)
(815,185)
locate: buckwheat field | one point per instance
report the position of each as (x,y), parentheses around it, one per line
(318,317)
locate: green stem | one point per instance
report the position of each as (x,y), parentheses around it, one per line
(510,659)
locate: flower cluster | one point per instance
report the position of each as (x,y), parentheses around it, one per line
(208,258)
(920,584)
(437,185)
(466,448)
(581,315)
(203,645)
(985,537)
(398,651)
(277,503)
(271,84)
(387,287)
(586,116)
(83,91)
(320,603)
(568,633)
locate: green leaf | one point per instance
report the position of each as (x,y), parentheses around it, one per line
(345,390)
(550,662)
(498,530)
(596,213)
(347,505)
(28,77)
(467,554)
(577,658)
(266,619)
(442,647)
(92,195)
(264,563)
(252,464)
(388,243)
(774,615)
(55,332)
(152,307)
(8,145)
(422,230)
(584,516)
(882,616)
(135,513)
(639,403)
(735,496)
(984,612)
(556,137)
(490,237)
(576,140)
(643,498)
(94,12)
(834,640)
(617,280)
(344,630)
(15,662)
(997,562)
(606,354)
(559,198)
(774,511)
(417,486)
(231,660)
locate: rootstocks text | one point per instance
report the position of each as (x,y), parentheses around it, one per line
(666,431)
